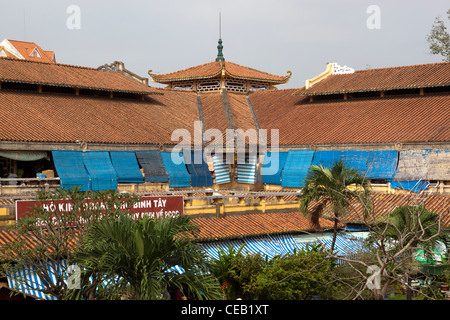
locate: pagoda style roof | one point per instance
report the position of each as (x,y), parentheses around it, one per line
(216,68)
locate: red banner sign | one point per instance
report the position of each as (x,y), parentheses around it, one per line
(157,207)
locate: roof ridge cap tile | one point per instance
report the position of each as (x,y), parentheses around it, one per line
(398,67)
(184,69)
(50,63)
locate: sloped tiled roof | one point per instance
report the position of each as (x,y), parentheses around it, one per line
(62,75)
(405,118)
(32,117)
(213,112)
(384,204)
(241,111)
(25,48)
(214,68)
(382,79)
(230,227)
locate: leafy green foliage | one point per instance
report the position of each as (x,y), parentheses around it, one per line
(298,276)
(53,236)
(139,256)
(237,271)
(292,276)
(439,39)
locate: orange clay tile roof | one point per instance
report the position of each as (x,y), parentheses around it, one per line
(213,111)
(214,68)
(392,119)
(31,72)
(225,228)
(383,79)
(384,203)
(48,117)
(25,48)
(254,224)
(241,111)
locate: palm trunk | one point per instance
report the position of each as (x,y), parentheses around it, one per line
(333,242)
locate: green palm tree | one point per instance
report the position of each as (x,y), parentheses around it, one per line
(330,186)
(139,258)
(410,227)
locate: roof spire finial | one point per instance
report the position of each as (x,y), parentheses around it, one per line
(220,46)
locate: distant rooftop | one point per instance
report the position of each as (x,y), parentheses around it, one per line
(25,50)
(381,79)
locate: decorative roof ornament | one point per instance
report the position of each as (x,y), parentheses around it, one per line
(337,69)
(332,68)
(219,51)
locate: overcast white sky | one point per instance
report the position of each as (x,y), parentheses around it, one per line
(269,35)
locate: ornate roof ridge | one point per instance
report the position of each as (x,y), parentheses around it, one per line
(215,68)
(161,76)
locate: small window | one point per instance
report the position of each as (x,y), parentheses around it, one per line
(257,86)
(35,53)
(183,85)
(208,85)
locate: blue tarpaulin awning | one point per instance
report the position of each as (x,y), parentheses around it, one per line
(382,164)
(151,162)
(221,169)
(273,166)
(272,245)
(414,186)
(296,168)
(246,168)
(356,159)
(100,169)
(326,158)
(176,169)
(126,166)
(71,170)
(198,169)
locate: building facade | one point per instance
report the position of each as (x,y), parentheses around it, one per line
(107,128)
